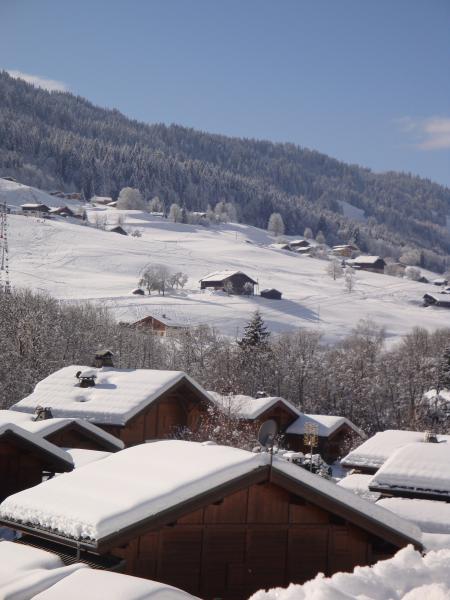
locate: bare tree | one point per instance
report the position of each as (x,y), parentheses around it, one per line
(349,279)
(334,269)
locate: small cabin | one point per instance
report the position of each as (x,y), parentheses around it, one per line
(117,229)
(61,211)
(442,300)
(345,250)
(440,281)
(271,294)
(295,244)
(25,458)
(138,292)
(236,281)
(374,264)
(35,209)
(161,325)
(220,523)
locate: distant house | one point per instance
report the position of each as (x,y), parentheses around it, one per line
(280,247)
(161,325)
(303,251)
(220,279)
(62,211)
(374,264)
(35,209)
(215,521)
(25,457)
(134,405)
(334,434)
(117,229)
(346,250)
(101,200)
(138,292)
(299,244)
(439,281)
(435,300)
(271,294)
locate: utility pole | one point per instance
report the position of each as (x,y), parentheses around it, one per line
(5,285)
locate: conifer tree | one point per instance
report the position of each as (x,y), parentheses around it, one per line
(256,333)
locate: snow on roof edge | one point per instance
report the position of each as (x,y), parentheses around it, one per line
(37,440)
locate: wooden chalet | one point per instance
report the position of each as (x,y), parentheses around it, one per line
(134,405)
(442,300)
(35,209)
(161,325)
(375,264)
(220,280)
(218,523)
(345,250)
(63,432)
(334,435)
(25,458)
(271,294)
(61,211)
(299,244)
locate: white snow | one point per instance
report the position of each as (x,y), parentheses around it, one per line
(246,406)
(46,427)
(359,484)
(407,576)
(104,585)
(363,259)
(82,457)
(119,495)
(17,194)
(431,516)
(37,441)
(419,467)
(74,262)
(352,212)
(326,424)
(117,396)
(377,449)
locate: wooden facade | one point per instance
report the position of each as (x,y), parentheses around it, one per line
(179,407)
(330,448)
(23,463)
(160,326)
(237,280)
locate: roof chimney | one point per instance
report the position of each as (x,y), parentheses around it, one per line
(104,358)
(42,414)
(261,394)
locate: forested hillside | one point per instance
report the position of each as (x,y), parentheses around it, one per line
(57,140)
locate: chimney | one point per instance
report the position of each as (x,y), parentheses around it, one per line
(261,394)
(104,358)
(42,414)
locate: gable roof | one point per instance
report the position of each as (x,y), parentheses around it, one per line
(118,395)
(377,449)
(364,260)
(60,460)
(121,501)
(419,469)
(46,427)
(326,424)
(222,275)
(247,407)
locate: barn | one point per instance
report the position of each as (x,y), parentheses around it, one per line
(442,300)
(35,209)
(271,294)
(161,325)
(375,264)
(333,435)
(134,405)
(25,458)
(223,280)
(217,522)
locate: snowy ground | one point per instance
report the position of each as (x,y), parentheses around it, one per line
(76,262)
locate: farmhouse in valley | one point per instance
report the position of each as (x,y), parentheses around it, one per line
(161,325)
(35,209)
(345,250)
(442,300)
(375,264)
(134,405)
(216,521)
(236,281)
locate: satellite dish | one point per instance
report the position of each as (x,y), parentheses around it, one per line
(267,433)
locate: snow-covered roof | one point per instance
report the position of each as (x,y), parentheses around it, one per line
(82,457)
(57,453)
(96,585)
(221,275)
(407,575)
(377,449)
(364,260)
(327,424)
(247,407)
(33,205)
(101,199)
(418,468)
(359,484)
(118,395)
(431,516)
(25,571)
(119,495)
(46,427)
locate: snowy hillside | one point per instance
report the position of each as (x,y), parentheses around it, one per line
(72,261)
(15,194)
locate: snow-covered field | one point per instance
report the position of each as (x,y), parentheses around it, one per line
(76,262)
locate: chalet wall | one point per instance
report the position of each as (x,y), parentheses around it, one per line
(260,537)
(19,469)
(70,438)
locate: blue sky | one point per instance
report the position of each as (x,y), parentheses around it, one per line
(367,82)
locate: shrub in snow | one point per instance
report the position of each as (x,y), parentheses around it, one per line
(131,199)
(412,273)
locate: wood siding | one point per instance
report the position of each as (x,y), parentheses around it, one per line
(330,448)
(260,537)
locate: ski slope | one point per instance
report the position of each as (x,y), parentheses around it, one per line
(74,262)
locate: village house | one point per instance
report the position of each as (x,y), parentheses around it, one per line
(334,435)
(441,300)
(40,210)
(161,325)
(345,250)
(61,211)
(134,405)
(217,522)
(63,432)
(374,264)
(101,200)
(25,458)
(223,280)
(295,244)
